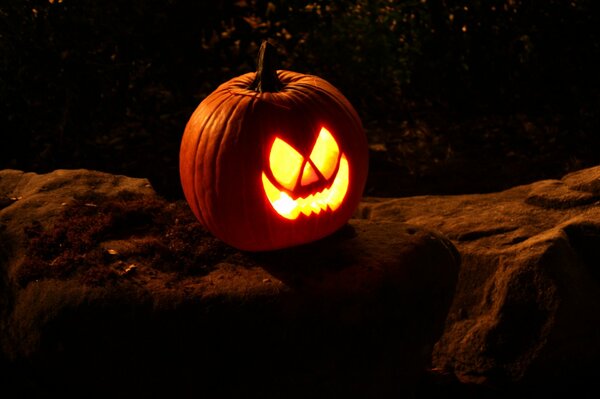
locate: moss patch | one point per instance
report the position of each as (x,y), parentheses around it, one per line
(148,234)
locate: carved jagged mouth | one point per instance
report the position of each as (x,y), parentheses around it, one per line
(331,197)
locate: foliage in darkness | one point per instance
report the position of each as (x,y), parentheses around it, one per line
(110,85)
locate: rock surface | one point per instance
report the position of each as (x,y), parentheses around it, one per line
(527,304)
(107,289)
(157,299)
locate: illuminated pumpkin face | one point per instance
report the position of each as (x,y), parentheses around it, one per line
(325,171)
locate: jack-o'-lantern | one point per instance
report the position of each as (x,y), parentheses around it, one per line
(273,159)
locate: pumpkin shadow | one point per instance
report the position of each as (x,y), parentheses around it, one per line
(331,254)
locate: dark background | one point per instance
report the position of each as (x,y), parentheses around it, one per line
(456,96)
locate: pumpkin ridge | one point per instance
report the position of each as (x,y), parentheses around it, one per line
(311,92)
(194,147)
(213,158)
(339,99)
(258,97)
(228,131)
(201,151)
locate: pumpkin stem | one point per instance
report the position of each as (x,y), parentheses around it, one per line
(266,79)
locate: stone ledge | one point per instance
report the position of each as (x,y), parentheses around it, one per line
(109,287)
(527,304)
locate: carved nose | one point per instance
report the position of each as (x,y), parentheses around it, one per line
(309,175)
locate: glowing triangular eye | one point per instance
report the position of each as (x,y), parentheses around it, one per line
(285,163)
(325,153)
(308,175)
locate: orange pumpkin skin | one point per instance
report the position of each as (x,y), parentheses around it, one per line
(225,150)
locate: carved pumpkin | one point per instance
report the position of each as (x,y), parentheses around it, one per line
(273,159)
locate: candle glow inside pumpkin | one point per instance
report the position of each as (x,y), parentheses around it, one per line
(326,168)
